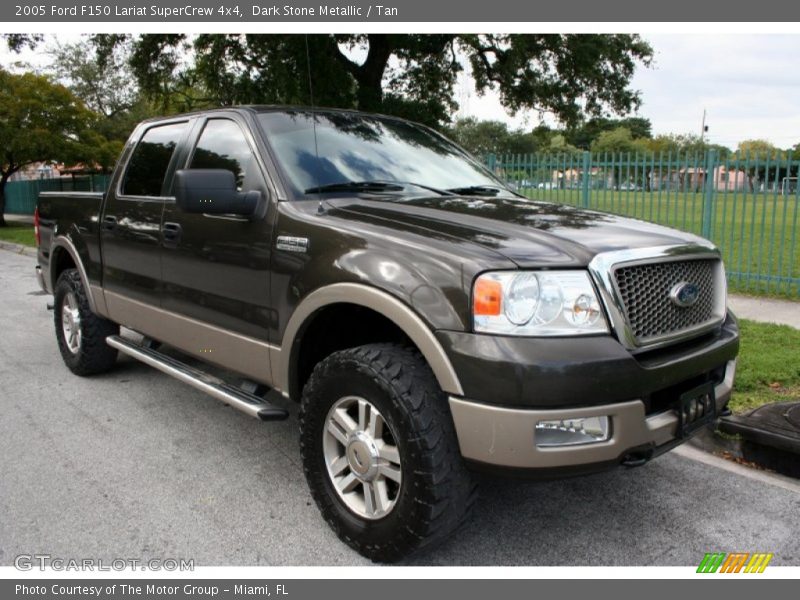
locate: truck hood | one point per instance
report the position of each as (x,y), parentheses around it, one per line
(530,233)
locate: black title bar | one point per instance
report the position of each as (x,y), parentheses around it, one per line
(443,11)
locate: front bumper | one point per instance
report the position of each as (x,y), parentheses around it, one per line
(495,436)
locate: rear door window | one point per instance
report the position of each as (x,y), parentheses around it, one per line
(148,165)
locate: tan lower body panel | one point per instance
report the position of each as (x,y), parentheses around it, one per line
(98,295)
(506,436)
(245,355)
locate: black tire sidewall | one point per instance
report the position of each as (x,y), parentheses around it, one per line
(94,355)
(66,283)
(352,378)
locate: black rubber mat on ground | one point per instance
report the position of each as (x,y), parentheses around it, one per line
(774,425)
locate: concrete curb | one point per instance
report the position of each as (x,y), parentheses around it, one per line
(742,451)
(709,440)
(18,249)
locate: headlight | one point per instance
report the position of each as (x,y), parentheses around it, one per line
(537,303)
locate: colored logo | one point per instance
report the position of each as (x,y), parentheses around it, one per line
(735,562)
(684,294)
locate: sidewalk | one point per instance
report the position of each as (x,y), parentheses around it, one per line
(766,310)
(19,219)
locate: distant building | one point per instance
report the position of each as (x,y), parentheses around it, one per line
(37,170)
(693,179)
(53,170)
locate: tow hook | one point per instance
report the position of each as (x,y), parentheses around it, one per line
(636,458)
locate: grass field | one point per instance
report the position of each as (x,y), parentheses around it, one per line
(768,369)
(18,234)
(758,234)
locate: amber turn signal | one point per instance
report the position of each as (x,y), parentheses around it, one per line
(488,297)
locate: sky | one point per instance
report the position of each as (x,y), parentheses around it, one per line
(748,84)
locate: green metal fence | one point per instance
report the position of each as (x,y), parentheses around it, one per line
(749,206)
(21,195)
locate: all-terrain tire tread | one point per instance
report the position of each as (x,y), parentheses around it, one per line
(94,356)
(448,490)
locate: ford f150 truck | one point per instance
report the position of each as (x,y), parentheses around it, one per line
(429,321)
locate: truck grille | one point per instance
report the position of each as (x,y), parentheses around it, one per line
(644,291)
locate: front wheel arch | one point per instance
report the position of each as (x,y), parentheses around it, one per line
(403,317)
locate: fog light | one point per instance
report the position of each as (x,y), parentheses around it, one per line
(571,432)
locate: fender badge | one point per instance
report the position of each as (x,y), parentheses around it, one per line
(289,243)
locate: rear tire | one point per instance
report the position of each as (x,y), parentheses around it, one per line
(81,334)
(427,492)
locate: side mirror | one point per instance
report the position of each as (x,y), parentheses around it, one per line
(213,191)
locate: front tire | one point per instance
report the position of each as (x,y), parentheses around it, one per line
(380,452)
(81,334)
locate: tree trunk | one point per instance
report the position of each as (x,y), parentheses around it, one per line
(3,181)
(370,74)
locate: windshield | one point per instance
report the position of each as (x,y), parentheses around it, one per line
(363,149)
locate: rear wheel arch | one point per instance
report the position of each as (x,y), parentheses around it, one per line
(60,261)
(64,255)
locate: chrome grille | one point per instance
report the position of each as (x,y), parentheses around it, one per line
(644,290)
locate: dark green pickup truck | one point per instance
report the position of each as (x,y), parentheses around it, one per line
(429,321)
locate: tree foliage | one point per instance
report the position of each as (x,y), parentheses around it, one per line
(492,137)
(40,121)
(683,144)
(410,75)
(585,133)
(761,149)
(619,140)
(105,83)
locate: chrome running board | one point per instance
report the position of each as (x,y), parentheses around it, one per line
(249,404)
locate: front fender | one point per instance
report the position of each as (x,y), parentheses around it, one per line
(381,302)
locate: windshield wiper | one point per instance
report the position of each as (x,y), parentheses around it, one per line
(356,186)
(477,190)
(373,186)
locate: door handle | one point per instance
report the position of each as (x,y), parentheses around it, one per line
(171,233)
(109,223)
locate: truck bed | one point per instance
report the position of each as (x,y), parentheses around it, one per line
(74,216)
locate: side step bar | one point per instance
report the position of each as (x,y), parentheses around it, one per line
(239,399)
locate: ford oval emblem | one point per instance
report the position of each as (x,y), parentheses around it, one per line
(684,294)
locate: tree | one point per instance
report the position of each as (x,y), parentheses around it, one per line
(39,121)
(759,149)
(106,85)
(410,75)
(18,41)
(685,144)
(616,141)
(492,137)
(584,134)
(767,164)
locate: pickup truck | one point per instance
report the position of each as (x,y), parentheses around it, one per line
(429,321)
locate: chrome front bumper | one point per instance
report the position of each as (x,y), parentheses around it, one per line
(505,437)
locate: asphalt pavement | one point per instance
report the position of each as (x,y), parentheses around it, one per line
(133,464)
